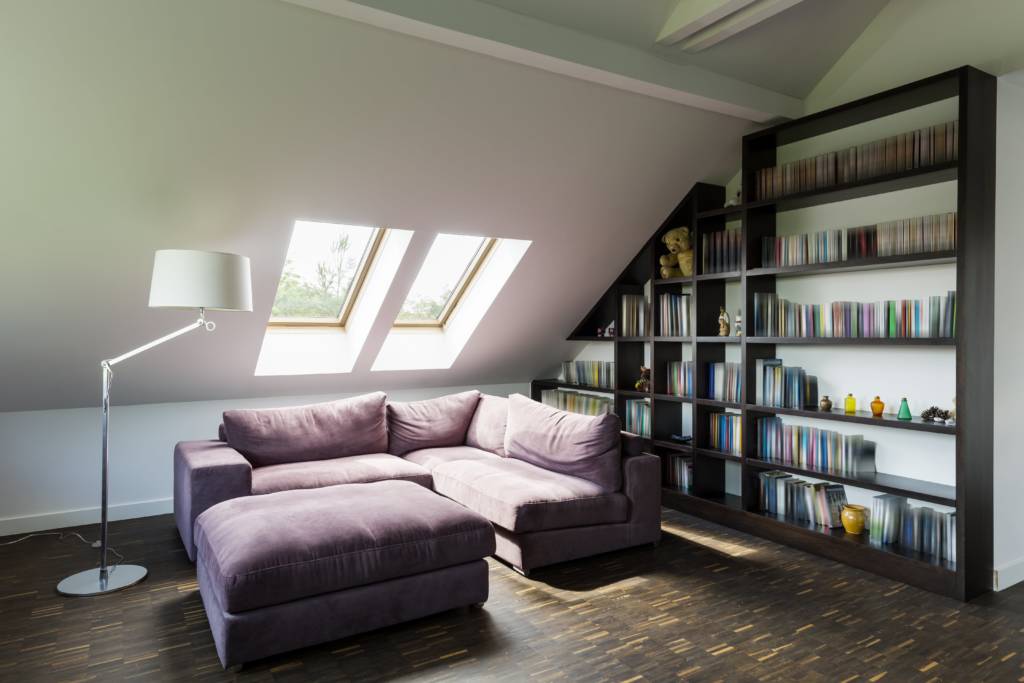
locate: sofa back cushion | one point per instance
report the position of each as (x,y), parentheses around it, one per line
(567,443)
(351,426)
(489,423)
(434,423)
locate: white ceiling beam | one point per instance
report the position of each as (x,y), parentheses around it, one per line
(691,16)
(493,31)
(747,17)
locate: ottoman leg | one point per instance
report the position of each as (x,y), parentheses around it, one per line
(520,570)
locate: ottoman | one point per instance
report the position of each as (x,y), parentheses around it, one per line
(287,570)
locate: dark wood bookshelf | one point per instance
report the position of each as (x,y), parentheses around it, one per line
(576,337)
(558,384)
(702,209)
(860,417)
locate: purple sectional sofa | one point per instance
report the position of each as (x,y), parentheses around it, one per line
(556,486)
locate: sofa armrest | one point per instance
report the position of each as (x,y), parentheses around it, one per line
(205,473)
(641,477)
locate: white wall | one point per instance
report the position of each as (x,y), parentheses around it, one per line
(1008,464)
(50,459)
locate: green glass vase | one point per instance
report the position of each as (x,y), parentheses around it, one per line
(904,413)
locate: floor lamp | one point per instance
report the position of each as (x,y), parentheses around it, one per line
(182,278)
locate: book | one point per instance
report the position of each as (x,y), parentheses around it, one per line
(575,402)
(812,448)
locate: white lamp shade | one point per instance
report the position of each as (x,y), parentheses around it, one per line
(186,278)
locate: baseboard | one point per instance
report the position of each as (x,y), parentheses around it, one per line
(65,518)
(1006,575)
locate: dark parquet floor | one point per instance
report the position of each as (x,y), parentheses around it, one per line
(709,604)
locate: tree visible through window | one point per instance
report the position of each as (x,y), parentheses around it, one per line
(446,272)
(324,264)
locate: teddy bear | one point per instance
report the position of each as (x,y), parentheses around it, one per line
(679,261)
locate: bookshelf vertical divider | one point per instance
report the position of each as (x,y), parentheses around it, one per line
(702,210)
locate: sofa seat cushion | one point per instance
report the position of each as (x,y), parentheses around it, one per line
(520,497)
(429,458)
(353,469)
(268,550)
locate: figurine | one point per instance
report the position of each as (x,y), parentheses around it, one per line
(734,201)
(600,332)
(877,407)
(610,330)
(825,404)
(738,325)
(723,322)
(644,383)
(904,413)
(850,404)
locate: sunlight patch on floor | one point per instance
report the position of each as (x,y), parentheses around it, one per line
(727,547)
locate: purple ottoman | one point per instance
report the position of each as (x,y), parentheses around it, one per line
(287,570)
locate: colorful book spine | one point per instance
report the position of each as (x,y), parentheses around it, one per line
(782,494)
(678,473)
(638,417)
(634,315)
(680,378)
(590,373)
(934,317)
(720,251)
(811,448)
(674,314)
(725,382)
(726,433)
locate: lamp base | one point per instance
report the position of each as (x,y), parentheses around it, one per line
(90,582)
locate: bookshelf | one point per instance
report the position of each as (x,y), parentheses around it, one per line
(972,174)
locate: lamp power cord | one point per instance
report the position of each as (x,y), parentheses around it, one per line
(61,535)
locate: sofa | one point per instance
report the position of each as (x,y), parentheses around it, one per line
(556,486)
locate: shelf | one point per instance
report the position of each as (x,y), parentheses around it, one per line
(729,276)
(862,540)
(719,340)
(712,453)
(918,489)
(674,398)
(854,341)
(860,417)
(630,393)
(853,265)
(685,501)
(892,182)
(734,212)
(681,448)
(716,403)
(678,340)
(579,337)
(558,384)
(673,281)
(644,338)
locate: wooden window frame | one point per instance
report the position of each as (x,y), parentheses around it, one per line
(362,273)
(479,259)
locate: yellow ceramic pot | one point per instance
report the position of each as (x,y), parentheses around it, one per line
(853,518)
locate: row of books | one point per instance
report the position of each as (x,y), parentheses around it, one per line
(634,315)
(893,521)
(591,373)
(726,433)
(725,381)
(675,315)
(895,154)
(638,417)
(782,387)
(784,495)
(575,402)
(680,378)
(903,237)
(720,251)
(931,317)
(811,448)
(825,246)
(678,473)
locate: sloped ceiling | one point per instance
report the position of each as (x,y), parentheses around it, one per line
(138,126)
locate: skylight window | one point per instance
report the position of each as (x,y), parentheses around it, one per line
(323,273)
(448,271)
